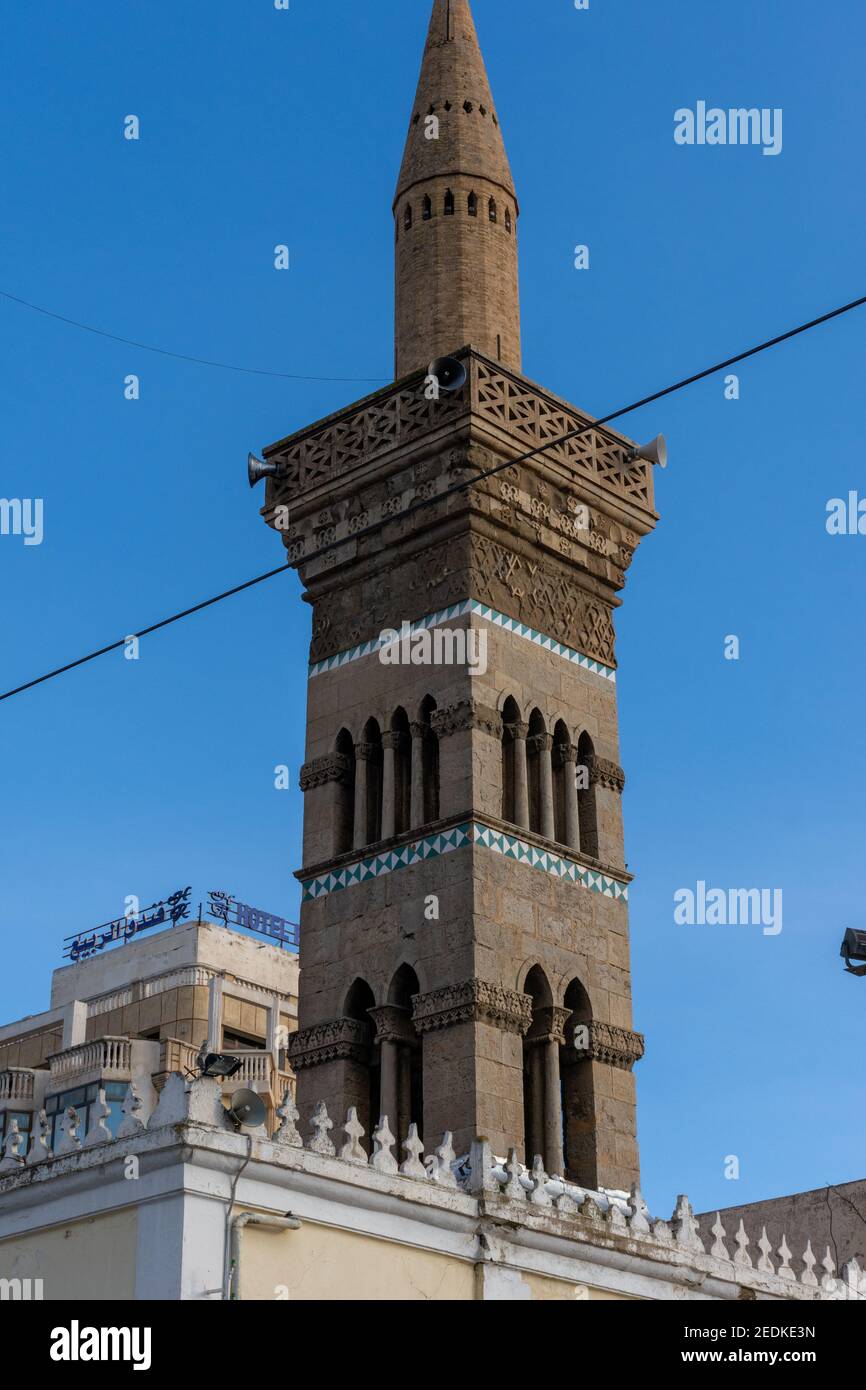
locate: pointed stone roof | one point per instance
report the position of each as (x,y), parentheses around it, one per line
(454,87)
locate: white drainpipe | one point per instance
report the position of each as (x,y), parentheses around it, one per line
(252,1218)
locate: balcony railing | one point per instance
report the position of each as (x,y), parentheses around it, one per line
(105,1057)
(16,1084)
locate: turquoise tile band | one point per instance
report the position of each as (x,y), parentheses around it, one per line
(490,615)
(446,842)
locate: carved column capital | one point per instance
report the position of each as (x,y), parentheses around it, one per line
(340,1039)
(605,1042)
(334,767)
(472,1001)
(418,730)
(516,729)
(548,1025)
(395,739)
(393,1024)
(366,752)
(603,773)
(540,743)
(566,753)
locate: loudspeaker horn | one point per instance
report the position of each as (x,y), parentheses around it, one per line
(247,1108)
(257,469)
(449,372)
(654,452)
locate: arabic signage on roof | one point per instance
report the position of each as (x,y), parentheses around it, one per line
(167,912)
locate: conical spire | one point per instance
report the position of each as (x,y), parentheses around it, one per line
(455,209)
(453,80)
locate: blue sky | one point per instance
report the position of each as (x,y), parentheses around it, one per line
(261,127)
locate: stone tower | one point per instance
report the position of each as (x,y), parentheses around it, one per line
(464,927)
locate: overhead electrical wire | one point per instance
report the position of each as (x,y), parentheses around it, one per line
(456,488)
(179,356)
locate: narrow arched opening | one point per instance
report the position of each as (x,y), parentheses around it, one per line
(344,800)
(362,1079)
(587,809)
(578,1101)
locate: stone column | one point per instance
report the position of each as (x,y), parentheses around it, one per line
(394,1033)
(552,1109)
(535,1137)
(568,759)
(363,753)
(542,745)
(390,744)
(518,734)
(417,803)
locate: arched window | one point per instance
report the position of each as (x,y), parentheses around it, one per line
(407,1072)
(510,720)
(344,809)
(427,211)
(407,217)
(578,1100)
(537,732)
(491,210)
(473,205)
(535,1113)
(363,1081)
(449,203)
(560,770)
(372,752)
(586,802)
(430,762)
(508,220)
(402,740)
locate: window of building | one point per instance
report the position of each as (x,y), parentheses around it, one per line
(407,217)
(492,212)
(449,203)
(508,220)
(83,1098)
(473,205)
(427,211)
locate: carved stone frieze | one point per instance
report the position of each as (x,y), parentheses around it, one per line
(341,1039)
(472,1001)
(334,767)
(605,1042)
(467,714)
(603,773)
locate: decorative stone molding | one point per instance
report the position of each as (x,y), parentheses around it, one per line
(617,1047)
(334,767)
(467,715)
(393,1024)
(472,1001)
(397,415)
(603,773)
(342,1039)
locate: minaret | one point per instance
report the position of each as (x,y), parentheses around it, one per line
(455,209)
(464,919)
